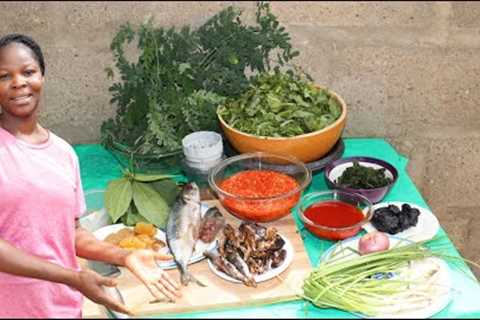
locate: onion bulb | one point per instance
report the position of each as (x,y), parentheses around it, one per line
(373,242)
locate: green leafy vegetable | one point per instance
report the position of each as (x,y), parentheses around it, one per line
(150,204)
(361,177)
(168,189)
(118,196)
(151,194)
(281,105)
(181,76)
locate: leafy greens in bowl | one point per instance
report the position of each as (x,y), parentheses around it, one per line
(284,114)
(281,105)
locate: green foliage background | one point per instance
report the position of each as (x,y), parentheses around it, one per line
(181,76)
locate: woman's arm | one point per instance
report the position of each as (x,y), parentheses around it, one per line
(142,263)
(17,262)
(89,247)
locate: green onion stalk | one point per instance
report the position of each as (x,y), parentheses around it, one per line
(348,284)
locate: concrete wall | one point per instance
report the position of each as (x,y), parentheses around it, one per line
(409,72)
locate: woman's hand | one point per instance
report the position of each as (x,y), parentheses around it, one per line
(142,263)
(90,284)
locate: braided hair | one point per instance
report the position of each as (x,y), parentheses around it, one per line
(28,42)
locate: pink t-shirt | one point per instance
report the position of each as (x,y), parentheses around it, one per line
(40,197)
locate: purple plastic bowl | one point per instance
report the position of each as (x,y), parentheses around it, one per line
(335,169)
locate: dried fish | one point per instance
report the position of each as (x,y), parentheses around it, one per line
(241,266)
(226,267)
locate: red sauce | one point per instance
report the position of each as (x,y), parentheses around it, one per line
(260,183)
(334,214)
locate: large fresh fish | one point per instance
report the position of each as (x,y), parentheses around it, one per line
(183,228)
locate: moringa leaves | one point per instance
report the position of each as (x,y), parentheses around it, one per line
(183,74)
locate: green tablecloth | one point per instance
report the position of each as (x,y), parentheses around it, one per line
(98,167)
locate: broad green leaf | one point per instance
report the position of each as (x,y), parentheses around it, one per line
(118,196)
(150,177)
(168,189)
(132,217)
(150,204)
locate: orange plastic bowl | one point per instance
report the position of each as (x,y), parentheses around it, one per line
(306,147)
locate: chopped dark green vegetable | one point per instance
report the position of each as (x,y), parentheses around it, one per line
(281,105)
(362,177)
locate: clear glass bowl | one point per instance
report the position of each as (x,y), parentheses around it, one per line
(335,233)
(167,163)
(260,208)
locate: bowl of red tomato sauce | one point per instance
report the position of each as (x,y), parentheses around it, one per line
(259,187)
(334,214)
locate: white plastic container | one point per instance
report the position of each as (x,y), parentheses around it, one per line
(202,149)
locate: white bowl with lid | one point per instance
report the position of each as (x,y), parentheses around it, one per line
(202,147)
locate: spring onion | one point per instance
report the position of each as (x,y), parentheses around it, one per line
(354,285)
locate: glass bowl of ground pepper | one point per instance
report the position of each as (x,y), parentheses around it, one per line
(259,187)
(370,177)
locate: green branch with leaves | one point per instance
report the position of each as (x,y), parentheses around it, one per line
(181,76)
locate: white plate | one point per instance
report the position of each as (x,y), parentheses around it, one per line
(197,255)
(438,301)
(426,228)
(266,275)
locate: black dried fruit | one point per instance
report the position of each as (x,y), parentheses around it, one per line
(392,219)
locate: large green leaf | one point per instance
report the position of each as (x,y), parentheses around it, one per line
(150,204)
(118,196)
(132,217)
(168,189)
(150,177)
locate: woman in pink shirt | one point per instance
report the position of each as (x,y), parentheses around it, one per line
(41,200)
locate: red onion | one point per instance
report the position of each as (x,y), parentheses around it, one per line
(373,242)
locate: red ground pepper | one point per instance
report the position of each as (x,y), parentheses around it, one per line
(334,214)
(260,183)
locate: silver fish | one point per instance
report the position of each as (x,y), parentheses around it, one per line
(183,228)
(234,258)
(225,266)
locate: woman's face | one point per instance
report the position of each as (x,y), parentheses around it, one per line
(21,81)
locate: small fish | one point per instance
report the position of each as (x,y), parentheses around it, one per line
(278,258)
(234,258)
(183,228)
(225,266)
(212,222)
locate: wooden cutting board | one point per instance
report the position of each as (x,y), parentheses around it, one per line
(220,293)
